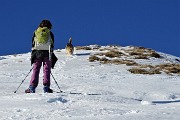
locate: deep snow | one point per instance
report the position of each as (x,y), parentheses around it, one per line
(101,91)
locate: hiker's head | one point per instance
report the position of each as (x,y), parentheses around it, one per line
(45,23)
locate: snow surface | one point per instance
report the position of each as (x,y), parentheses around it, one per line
(100,91)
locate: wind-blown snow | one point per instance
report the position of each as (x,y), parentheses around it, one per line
(99,91)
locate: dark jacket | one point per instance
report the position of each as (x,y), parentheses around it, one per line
(40,54)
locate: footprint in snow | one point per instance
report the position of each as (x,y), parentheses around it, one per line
(57,100)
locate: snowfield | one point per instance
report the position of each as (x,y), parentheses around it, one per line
(91,90)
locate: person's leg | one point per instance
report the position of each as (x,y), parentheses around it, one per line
(47,72)
(35,75)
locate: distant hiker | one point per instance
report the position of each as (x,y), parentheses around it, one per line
(42,52)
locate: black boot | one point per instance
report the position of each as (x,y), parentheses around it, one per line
(47,89)
(31,89)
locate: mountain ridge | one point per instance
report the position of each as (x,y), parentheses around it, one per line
(103,88)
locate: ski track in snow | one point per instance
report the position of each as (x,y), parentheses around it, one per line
(98,91)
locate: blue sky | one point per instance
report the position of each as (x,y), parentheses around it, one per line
(150,23)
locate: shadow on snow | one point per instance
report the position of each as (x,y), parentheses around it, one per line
(1,58)
(82,54)
(166,102)
(60,99)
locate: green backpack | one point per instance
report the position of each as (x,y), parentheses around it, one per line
(42,38)
(42,35)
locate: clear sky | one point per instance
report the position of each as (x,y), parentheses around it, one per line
(150,23)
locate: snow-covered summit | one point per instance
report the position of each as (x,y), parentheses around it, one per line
(105,82)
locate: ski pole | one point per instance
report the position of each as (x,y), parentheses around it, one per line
(56,83)
(50,53)
(23,80)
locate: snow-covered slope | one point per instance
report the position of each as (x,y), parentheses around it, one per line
(98,91)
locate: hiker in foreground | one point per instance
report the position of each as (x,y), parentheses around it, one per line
(42,49)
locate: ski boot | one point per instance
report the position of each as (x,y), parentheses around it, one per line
(47,89)
(31,89)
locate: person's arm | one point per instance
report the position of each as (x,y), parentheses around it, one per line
(52,38)
(33,43)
